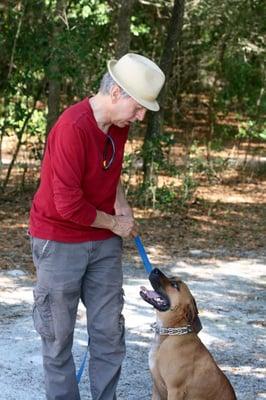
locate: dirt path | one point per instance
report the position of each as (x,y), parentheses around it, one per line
(229,294)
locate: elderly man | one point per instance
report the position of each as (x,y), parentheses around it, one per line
(78,218)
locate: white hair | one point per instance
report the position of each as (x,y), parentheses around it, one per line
(107,83)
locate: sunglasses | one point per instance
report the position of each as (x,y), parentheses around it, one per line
(108,152)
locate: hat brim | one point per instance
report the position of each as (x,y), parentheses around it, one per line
(150,105)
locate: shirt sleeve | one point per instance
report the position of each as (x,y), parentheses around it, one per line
(68,166)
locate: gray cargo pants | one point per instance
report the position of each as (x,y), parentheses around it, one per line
(67,272)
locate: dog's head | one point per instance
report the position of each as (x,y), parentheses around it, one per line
(171,298)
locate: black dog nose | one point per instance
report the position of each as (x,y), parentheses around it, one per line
(155,272)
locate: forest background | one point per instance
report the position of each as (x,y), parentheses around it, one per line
(195,171)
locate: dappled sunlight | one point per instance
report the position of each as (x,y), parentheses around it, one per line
(253,194)
(139,343)
(145,334)
(129,281)
(245,370)
(9,286)
(14,226)
(210,314)
(209,339)
(194,173)
(226,293)
(215,247)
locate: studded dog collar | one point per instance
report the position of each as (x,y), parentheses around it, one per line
(183,330)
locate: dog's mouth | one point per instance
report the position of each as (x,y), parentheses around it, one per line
(158,299)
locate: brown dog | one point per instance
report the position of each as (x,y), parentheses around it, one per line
(181,366)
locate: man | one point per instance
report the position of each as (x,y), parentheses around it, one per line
(78,217)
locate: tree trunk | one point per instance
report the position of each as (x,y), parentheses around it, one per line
(20,136)
(155,120)
(10,69)
(123,22)
(54,77)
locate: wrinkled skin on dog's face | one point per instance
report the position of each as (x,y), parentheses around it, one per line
(170,297)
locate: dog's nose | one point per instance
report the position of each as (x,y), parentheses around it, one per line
(156,271)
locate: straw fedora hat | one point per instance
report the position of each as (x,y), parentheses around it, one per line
(140,77)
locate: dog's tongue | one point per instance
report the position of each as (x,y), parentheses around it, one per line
(154,298)
(150,293)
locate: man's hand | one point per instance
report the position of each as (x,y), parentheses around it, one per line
(123,209)
(121,225)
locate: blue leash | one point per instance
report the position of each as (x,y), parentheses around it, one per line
(148,268)
(143,255)
(81,368)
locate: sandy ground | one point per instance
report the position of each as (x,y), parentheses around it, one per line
(229,294)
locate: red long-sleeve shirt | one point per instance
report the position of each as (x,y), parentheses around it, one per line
(73,182)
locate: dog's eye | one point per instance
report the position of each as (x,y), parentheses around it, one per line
(175,285)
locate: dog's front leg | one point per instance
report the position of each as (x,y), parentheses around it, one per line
(176,394)
(155,393)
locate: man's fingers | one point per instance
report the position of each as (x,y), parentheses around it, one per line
(135,231)
(123,225)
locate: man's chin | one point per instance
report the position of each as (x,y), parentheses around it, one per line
(123,124)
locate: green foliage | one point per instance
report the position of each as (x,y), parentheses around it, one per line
(243,81)
(163,198)
(222,134)
(137,28)
(221,55)
(188,188)
(166,198)
(156,151)
(148,32)
(252,129)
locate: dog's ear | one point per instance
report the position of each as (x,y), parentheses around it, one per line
(196,324)
(195,305)
(190,313)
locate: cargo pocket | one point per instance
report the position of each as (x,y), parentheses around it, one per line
(42,314)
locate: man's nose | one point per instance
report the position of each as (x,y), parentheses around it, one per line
(141,114)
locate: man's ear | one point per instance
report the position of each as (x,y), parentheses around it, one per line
(115,93)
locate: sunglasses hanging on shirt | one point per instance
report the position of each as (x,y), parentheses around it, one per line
(108,152)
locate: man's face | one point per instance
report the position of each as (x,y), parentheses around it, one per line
(126,111)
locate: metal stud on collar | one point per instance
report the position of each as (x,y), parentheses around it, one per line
(183,330)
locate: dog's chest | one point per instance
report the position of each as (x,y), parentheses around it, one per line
(154,347)
(153,351)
